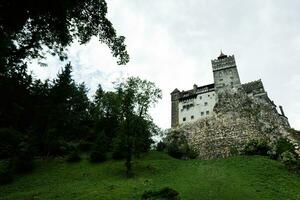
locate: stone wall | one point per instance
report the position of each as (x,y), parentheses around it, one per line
(238,119)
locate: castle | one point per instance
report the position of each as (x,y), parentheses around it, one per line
(197,103)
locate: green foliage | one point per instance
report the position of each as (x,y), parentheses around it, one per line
(175,151)
(54,25)
(85,145)
(73,153)
(160,146)
(9,138)
(178,147)
(288,158)
(283,145)
(6,173)
(97,157)
(256,147)
(73,157)
(162,194)
(136,127)
(23,162)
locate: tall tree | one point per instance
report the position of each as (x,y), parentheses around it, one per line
(136,127)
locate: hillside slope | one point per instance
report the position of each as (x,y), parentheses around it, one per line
(254,178)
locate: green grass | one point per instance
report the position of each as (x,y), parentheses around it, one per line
(233,178)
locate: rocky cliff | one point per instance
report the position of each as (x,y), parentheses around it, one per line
(238,119)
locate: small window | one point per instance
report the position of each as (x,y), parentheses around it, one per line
(221,79)
(183,119)
(207,112)
(231,77)
(208,95)
(200,97)
(205,103)
(192,117)
(202,113)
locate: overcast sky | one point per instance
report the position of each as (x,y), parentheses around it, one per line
(172,42)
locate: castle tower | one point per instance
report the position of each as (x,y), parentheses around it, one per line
(225,72)
(175,108)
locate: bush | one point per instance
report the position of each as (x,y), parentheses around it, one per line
(192,154)
(97,157)
(73,157)
(85,145)
(256,147)
(165,193)
(174,151)
(160,146)
(23,162)
(288,158)
(181,150)
(9,138)
(283,145)
(6,172)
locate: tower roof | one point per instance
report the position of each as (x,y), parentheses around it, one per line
(222,55)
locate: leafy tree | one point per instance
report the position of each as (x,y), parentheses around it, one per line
(135,130)
(28,26)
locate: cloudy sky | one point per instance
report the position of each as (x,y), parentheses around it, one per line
(172,42)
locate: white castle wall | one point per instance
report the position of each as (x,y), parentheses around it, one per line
(197,108)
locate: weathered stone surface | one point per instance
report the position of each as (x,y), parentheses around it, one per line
(238,119)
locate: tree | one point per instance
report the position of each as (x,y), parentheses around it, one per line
(136,126)
(28,26)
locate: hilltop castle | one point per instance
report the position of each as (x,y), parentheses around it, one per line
(197,103)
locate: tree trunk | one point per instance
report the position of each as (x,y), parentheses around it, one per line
(128,165)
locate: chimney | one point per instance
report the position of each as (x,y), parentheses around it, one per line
(281,110)
(195,87)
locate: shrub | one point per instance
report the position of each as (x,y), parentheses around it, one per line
(85,145)
(256,147)
(73,157)
(288,158)
(23,162)
(283,145)
(97,156)
(9,140)
(181,150)
(174,151)
(160,146)
(73,152)
(192,154)
(165,193)
(6,173)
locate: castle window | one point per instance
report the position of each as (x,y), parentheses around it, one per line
(192,117)
(183,119)
(208,95)
(207,112)
(231,77)
(202,113)
(221,79)
(200,97)
(205,103)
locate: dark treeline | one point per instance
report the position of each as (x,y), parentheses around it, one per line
(56,118)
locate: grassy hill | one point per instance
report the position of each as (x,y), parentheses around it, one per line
(240,177)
